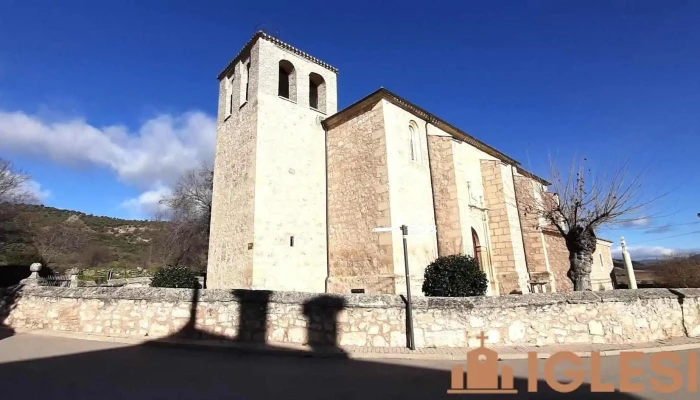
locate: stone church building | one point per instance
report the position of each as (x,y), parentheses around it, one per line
(299,188)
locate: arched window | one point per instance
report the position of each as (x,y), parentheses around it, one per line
(477,248)
(317,92)
(414,142)
(287,86)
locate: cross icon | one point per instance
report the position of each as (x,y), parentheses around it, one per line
(482,337)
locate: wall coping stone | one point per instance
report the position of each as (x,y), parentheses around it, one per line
(127,281)
(691,292)
(350,300)
(631,295)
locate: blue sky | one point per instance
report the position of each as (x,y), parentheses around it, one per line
(105,103)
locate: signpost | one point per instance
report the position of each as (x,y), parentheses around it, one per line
(409,305)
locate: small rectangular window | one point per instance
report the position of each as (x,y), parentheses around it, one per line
(291,241)
(247,80)
(229,95)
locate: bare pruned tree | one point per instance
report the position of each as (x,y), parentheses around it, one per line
(53,241)
(189,212)
(13,192)
(678,271)
(95,255)
(580,203)
(12,185)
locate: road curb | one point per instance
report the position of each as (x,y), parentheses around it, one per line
(306,352)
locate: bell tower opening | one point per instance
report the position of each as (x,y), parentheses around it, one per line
(317,92)
(287,87)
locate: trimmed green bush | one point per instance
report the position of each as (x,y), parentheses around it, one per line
(174,276)
(454,276)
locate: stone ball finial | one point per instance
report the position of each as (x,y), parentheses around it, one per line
(35,267)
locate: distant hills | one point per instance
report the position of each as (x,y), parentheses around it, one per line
(75,239)
(652,264)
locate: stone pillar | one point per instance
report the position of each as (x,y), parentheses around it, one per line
(33,279)
(503,254)
(73,273)
(528,202)
(628,264)
(442,173)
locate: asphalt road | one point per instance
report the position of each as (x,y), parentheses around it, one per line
(35,367)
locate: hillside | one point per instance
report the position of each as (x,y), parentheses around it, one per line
(74,239)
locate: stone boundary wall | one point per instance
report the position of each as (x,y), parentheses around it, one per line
(620,316)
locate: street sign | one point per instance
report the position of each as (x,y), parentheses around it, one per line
(412,231)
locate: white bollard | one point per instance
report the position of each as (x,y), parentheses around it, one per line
(628,264)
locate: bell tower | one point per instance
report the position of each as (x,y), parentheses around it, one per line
(268,226)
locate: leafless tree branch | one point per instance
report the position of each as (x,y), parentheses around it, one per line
(579,202)
(12,185)
(189,212)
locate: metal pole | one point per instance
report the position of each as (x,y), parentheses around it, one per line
(409,308)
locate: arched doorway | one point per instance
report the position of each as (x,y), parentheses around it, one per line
(477,249)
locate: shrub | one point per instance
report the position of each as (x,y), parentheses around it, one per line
(174,276)
(454,276)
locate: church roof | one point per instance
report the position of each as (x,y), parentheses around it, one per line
(262,35)
(457,133)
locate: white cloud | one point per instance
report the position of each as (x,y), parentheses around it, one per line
(150,158)
(34,188)
(645,252)
(148,202)
(636,223)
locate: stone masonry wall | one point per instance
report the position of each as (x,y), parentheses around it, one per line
(358,201)
(691,310)
(529,221)
(230,258)
(558,257)
(602,266)
(290,186)
(410,194)
(620,316)
(442,169)
(503,256)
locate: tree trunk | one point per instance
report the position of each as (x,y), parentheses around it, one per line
(581,244)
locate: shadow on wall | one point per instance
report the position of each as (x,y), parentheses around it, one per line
(11,275)
(163,372)
(8,301)
(321,323)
